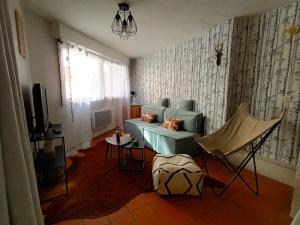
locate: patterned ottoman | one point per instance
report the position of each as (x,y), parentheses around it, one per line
(176,174)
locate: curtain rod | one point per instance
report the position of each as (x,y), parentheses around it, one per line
(58,40)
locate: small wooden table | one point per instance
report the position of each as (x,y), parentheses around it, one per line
(111,141)
(135,111)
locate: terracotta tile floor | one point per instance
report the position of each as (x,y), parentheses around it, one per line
(238,206)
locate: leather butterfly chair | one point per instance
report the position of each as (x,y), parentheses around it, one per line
(240,131)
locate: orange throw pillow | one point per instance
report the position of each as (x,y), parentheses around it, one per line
(148,117)
(172,123)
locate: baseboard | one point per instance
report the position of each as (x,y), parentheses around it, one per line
(275,170)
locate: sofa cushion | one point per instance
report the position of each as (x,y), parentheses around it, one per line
(139,122)
(135,127)
(148,117)
(165,141)
(172,124)
(169,133)
(158,110)
(192,121)
(186,105)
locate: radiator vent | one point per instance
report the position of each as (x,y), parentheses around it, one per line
(101,118)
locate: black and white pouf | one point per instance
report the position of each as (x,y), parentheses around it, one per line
(177,174)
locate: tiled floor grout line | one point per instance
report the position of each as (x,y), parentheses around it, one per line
(136,222)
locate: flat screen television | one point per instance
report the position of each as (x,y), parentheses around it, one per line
(40,108)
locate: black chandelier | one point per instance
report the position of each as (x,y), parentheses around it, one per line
(122,26)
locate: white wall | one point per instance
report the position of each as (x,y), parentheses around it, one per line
(44,62)
(22,63)
(278,171)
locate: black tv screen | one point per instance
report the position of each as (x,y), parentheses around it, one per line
(40,108)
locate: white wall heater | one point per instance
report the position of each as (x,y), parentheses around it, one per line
(101,118)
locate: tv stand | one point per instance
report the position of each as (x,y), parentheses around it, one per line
(43,163)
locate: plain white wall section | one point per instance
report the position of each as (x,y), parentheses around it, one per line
(44,62)
(70,34)
(22,63)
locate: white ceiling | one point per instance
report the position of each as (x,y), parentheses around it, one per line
(161,23)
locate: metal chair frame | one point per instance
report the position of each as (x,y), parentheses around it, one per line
(237,170)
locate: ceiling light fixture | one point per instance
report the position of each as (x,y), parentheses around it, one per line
(123,23)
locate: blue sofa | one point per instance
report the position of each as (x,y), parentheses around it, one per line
(163,140)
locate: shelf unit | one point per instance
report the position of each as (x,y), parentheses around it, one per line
(44,164)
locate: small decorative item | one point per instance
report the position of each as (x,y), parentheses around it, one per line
(118,134)
(121,131)
(219,54)
(20,34)
(132,97)
(294,29)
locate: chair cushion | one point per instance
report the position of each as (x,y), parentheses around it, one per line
(177,174)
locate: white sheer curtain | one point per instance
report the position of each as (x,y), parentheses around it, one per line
(89,81)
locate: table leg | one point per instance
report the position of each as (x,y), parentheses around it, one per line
(144,157)
(119,156)
(111,151)
(107,149)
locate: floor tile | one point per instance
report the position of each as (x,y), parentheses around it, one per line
(125,220)
(192,207)
(171,212)
(228,213)
(71,222)
(99,221)
(149,197)
(284,219)
(146,216)
(203,221)
(260,206)
(136,202)
(118,214)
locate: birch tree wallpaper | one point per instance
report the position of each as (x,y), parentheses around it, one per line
(260,65)
(188,71)
(265,73)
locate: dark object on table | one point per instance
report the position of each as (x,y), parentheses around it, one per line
(118,134)
(40,108)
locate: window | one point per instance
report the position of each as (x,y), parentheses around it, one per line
(89,77)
